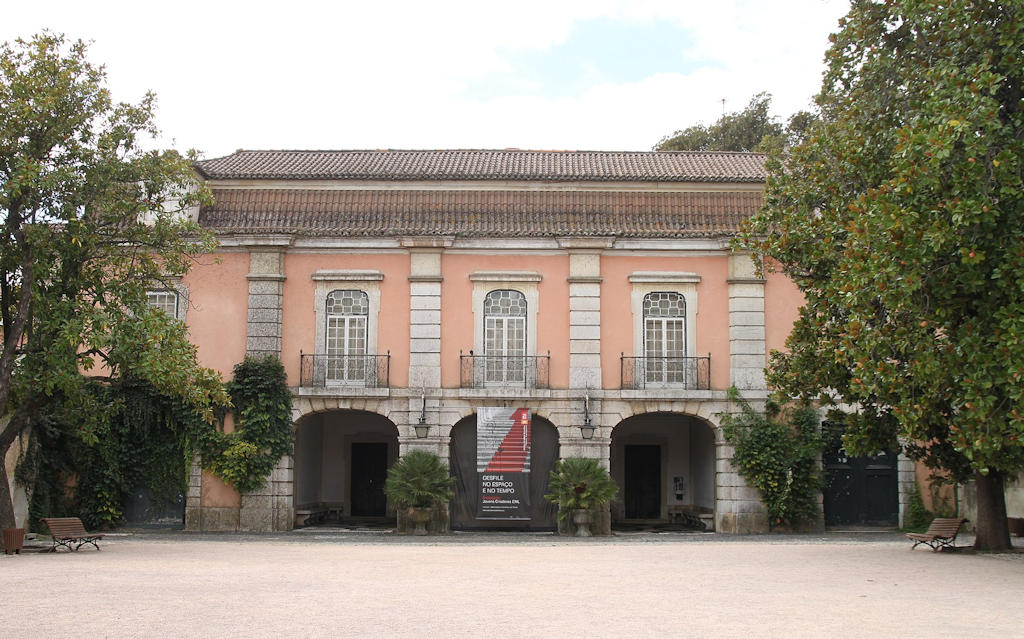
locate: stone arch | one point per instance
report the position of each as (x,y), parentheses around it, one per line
(340,461)
(462,459)
(303,406)
(664,464)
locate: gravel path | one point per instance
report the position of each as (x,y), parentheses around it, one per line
(309,584)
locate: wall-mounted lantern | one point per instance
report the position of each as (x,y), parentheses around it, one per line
(422,427)
(586,428)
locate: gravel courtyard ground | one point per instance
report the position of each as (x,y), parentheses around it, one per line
(317,583)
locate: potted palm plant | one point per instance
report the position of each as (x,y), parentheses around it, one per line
(579,486)
(418,483)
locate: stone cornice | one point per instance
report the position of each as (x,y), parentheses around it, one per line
(347,275)
(505,276)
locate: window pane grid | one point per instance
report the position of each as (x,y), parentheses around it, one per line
(504,337)
(345,340)
(166,301)
(665,338)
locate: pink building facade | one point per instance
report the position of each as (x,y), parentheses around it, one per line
(403,290)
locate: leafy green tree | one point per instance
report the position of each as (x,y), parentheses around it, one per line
(901,218)
(90,222)
(752,129)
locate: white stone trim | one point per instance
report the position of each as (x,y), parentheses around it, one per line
(346,280)
(505,276)
(671,283)
(658,277)
(527,285)
(348,275)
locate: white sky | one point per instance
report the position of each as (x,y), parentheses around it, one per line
(439,74)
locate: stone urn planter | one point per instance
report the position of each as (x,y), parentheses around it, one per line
(418,484)
(420,517)
(582,519)
(579,486)
(14,539)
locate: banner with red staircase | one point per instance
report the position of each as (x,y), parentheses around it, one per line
(503,462)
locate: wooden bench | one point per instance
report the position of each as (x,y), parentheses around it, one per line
(940,534)
(68,532)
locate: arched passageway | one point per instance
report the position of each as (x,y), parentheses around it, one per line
(664,464)
(341,462)
(544,455)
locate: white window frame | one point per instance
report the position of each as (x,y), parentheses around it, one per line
(366,281)
(353,373)
(179,290)
(657,370)
(646,282)
(503,371)
(525,282)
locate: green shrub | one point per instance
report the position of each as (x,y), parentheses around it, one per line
(420,480)
(779,454)
(917,518)
(579,483)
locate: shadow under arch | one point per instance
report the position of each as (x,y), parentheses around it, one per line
(543,456)
(664,464)
(340,463)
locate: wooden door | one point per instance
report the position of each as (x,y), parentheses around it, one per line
(642,479)
(369,471)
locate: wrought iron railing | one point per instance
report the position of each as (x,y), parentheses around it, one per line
(688,373)
(508,371)
(365,371)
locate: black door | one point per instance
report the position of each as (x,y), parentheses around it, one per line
(642,494)
(860,490)
(369,470)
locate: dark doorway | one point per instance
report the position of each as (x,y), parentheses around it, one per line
(642,491)
(860,490)
(369,471)
(543,456)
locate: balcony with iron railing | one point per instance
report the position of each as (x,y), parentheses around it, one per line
(504,371)
(344,371)
(684,373)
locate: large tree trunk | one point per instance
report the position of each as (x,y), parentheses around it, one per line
(6,502)
(992,531)
(8,434)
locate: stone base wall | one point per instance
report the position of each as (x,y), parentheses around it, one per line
(267,509)
(738,508)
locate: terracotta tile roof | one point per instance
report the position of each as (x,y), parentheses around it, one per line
(602,166)
(478,213)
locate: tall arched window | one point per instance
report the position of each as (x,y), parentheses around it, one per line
(505,336)
(665,338)
(346,336)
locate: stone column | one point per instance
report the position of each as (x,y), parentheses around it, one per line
(584,310)
(746,325)
(266,290)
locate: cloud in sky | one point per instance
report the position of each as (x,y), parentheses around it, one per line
(597,74)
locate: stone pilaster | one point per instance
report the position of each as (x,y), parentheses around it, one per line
(425,312)
(584,310)
(193,506)
(738,507)
(266,291)
(270,508)
(906,481)
(746,325)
